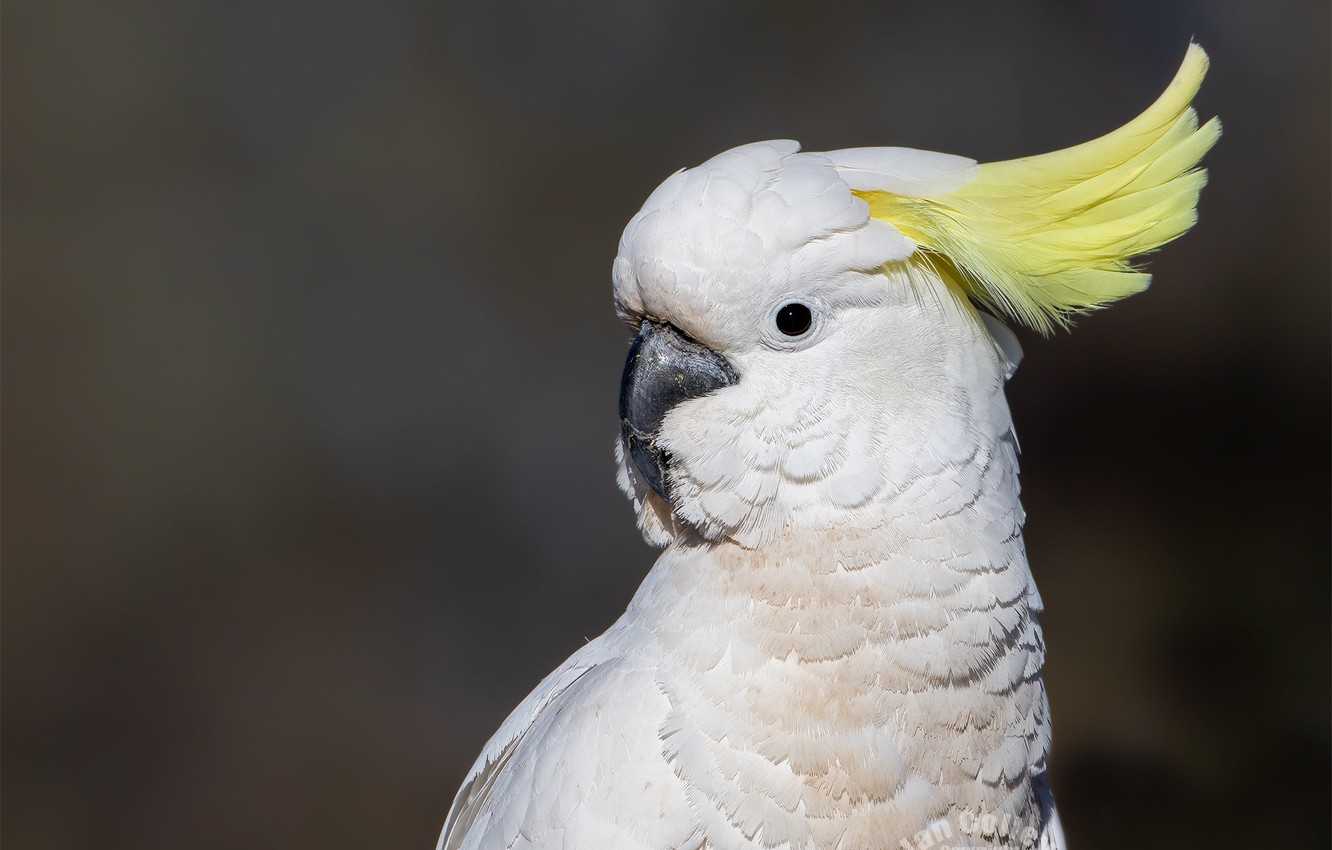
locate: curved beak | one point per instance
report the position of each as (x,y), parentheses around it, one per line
(664,368)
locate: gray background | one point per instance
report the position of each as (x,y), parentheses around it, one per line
(310,375)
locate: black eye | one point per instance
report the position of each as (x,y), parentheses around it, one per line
(794,319)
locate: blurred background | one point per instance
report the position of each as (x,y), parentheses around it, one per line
(310,376)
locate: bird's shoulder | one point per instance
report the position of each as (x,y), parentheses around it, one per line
(554,737)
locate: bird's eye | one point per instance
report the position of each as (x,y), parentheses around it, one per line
(793,319)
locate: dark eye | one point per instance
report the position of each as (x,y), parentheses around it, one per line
(794,319)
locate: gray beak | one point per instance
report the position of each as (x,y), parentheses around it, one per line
(664,368)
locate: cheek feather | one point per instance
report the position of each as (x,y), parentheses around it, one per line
(815,457)
(856,483)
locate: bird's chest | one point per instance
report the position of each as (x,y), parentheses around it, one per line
(830,718)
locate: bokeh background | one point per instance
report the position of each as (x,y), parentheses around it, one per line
(310,376)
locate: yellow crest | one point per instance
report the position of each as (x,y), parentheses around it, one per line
(1045,237)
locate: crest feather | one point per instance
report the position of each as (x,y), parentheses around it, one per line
(1046,237)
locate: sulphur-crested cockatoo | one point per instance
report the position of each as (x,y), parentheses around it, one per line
(839,646)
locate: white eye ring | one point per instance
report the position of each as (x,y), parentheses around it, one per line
(795,322)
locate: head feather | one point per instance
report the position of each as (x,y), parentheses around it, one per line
(1046,237)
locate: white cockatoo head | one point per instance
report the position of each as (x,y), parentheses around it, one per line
(808,369)
(809,345)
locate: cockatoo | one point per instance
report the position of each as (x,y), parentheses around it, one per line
(839,646)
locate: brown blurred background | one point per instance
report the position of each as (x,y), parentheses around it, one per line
(310,376)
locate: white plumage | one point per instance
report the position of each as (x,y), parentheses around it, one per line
(839,647)
(852,652)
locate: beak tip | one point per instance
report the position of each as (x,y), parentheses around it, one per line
(648,461)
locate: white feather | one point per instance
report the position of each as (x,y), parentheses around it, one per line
(903,171)
(838,647)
